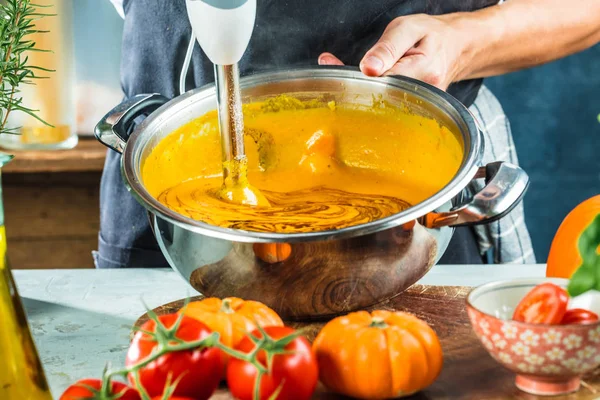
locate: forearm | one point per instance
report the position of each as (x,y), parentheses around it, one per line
(524,33)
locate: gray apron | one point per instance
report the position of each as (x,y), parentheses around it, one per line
(288,33)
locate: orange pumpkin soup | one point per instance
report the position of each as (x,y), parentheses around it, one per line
(320,166)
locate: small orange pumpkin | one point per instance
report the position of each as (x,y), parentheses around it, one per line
(232,317)
(564,257)
(378,355)
(272,252)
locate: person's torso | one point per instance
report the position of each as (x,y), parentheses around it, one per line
(287,33)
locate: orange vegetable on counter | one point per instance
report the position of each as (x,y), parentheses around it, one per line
(378,355)
(232,317)
(564,257)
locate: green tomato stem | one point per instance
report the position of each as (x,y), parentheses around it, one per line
(162,349)
(167,342)
(256,394)
(142,391)
(105,387)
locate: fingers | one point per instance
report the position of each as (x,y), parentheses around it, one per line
(420,65)
(329,59)
(397,39)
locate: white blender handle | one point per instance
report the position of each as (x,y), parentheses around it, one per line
(222,27)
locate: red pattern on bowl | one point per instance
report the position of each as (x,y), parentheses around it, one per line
(549,359)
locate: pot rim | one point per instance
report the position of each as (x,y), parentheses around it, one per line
(449,104)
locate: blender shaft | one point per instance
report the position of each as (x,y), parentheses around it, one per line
(231,119)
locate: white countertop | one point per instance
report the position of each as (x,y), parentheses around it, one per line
(81,319)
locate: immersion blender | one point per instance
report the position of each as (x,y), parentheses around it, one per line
(223,29)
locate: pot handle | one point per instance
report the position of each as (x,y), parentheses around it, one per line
(506,185)
(114,129)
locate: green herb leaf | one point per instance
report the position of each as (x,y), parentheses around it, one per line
(582,281)
(588,243)
(587,276)
(16,23)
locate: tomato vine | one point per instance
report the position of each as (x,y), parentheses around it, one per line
(167,342)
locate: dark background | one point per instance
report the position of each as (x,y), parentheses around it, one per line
(554,111)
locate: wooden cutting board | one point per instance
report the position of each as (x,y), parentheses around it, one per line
(469,371)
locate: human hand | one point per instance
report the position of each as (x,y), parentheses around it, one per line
(433,49)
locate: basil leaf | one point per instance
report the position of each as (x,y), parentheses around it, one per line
(587,276)
(588,243)
(597,271)
(583,280)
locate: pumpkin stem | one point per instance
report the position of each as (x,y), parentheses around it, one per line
(226,307)
(377,322)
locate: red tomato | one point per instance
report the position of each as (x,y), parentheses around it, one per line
(544,304)
(579,316)
(79,391)
(172,398)
(294,374)
(199,369)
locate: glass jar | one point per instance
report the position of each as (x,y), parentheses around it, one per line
(54,97)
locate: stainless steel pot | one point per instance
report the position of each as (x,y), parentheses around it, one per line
(328,272)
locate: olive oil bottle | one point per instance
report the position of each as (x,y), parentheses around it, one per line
(21,373)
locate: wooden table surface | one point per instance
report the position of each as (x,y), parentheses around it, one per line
(468,372)
(81,319)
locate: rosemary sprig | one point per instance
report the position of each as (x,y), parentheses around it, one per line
(17,19)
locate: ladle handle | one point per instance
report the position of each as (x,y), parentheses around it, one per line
(506,185)
(114,129)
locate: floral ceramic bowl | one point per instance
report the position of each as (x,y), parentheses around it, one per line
(548,359)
